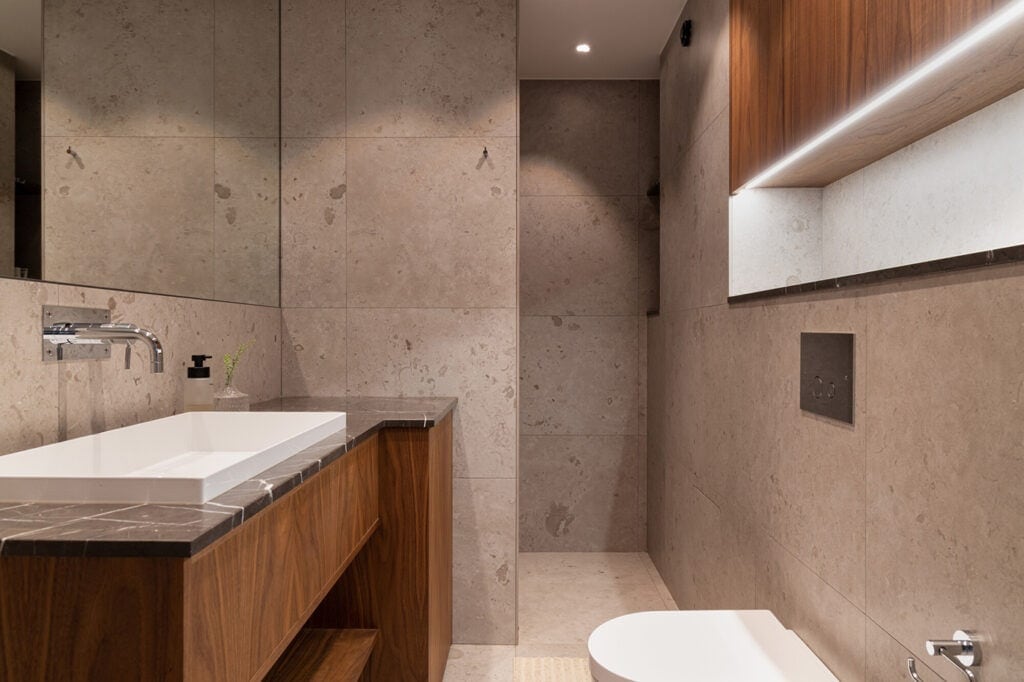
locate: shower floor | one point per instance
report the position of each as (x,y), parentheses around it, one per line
(562,598)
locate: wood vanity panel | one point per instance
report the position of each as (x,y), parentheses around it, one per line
(319,655)
(90,618)
(439,543)
(401,583)
(247,595)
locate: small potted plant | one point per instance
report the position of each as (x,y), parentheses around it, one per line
(229,398)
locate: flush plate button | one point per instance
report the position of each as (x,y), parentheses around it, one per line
(826,375)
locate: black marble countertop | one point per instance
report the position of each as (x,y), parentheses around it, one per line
(181,530)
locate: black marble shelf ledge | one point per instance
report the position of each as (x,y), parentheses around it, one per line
(180,530)
(979,259)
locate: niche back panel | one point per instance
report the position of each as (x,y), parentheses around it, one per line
(826,375)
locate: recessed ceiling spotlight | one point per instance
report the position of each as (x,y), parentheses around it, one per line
(583,48)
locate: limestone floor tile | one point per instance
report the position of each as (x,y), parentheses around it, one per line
(419,210)
(313,68)
(578,494)
(28,401)
(484,563)
(419,68)
(564,596)
(130,212)
(945,533)
(826,621)
(313,215)
(560,123)
(565,650)
(247,232)
(465,353)
(314,352)
(578,255)
(161,82)
(247,68)
(579,375)
(480,663)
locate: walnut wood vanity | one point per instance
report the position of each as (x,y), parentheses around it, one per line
(335,564)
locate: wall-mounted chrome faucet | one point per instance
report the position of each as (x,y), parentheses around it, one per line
(86,333)
(963,651)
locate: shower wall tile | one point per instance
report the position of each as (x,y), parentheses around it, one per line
(649,160)
(417,208)
(314,195)
(484,601)
(246,220)
(312,223)
(105,223)
(246,63)
(431,69)
(28,402)
(578,255)
(313,352)
(144,93)
(580,140)
(313,68)
(578,494)
(467,353)
(579,375)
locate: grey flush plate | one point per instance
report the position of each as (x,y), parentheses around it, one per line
(826,375)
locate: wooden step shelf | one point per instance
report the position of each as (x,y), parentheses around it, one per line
(319,655)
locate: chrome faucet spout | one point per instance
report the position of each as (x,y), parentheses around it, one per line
(125,331)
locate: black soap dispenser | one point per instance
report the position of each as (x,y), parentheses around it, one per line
(199,386)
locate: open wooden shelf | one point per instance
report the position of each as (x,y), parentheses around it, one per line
(989,72)
(319,655)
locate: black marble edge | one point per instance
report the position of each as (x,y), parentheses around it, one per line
(978,259)
(186,548)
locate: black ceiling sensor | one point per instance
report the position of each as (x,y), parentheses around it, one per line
(686,33)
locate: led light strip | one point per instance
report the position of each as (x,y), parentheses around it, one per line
(990,27)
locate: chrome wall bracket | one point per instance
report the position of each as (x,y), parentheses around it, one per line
(963,651)
(59,342)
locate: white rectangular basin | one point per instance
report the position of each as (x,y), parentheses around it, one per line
(186,459)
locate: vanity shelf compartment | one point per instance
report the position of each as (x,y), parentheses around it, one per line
(322,654)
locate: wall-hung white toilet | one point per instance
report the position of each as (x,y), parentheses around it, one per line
(709,646)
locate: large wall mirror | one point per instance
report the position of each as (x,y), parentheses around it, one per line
(139,145)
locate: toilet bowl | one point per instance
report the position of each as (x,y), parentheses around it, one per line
(710,646)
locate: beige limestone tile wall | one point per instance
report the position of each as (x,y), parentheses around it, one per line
(587,263)
(174,132)
(399,243)
(865,539)
(43,402)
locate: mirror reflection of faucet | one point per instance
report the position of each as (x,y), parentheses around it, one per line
(963,651)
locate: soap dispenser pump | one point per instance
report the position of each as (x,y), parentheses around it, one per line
(199,386)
